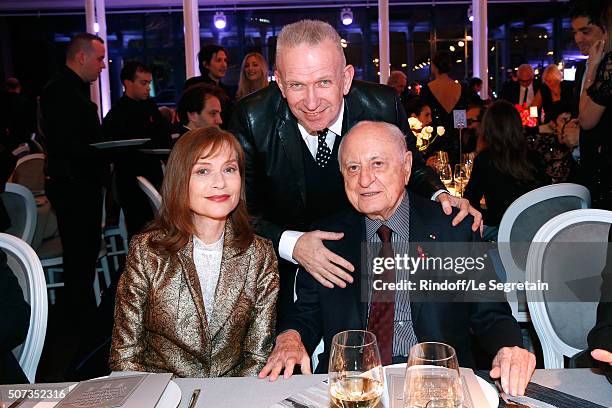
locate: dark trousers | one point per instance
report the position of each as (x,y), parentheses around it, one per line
(130,197)
(78,206)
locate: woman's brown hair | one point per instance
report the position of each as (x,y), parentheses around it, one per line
(175,218)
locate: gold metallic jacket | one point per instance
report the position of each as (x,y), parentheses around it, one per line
(160,321)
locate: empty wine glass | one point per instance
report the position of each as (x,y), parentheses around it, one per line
(432,377)
(446,175)
(356,377)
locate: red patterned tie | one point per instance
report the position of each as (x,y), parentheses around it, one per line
(380,321)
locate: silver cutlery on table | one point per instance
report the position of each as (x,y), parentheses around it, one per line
(194,398)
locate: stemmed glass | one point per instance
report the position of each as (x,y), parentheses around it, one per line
(356,377)
(446,175)
(432,377)
(461,177)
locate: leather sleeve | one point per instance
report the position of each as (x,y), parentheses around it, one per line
(305,315)
(240,127)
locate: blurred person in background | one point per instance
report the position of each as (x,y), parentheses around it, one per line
(136,116)
(199,105)
(595,112)
(504,169)
(554,95)
(443,95)
(253,74)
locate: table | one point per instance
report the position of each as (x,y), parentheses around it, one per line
(255,393)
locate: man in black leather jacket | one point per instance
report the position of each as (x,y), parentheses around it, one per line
(290,133)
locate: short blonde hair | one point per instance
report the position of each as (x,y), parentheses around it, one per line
(311,32)
(552,70)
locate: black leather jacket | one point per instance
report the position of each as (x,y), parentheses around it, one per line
(268,132)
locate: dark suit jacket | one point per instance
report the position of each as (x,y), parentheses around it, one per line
(14,323)
(512,90)
(322,312)
(601,335)
(70,124)
(268,132)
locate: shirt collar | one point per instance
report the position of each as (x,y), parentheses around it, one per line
(398,222)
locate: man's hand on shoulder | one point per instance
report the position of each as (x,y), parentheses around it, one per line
(448,201)
(320,262)
(514,367)
(288,351)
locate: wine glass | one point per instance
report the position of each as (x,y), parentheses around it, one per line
(356,377)
(461,177)
(432,377)
(468,160)
(446,175)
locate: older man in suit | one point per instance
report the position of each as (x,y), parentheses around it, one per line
(290,132)
(522,90)
(376,168)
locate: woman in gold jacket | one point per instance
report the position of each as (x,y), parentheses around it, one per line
(198,294)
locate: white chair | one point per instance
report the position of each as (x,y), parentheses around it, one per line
(21,208)
(568,253)
(23,261)
(151,193)
(520,223)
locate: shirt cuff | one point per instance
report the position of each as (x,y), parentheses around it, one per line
(437,193)
(287,243)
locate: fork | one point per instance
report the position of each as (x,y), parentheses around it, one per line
(510,403)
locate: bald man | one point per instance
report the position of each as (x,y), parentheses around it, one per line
(522,90)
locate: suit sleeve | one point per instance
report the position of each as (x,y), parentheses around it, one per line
(128,341)
(423,180)
(492,321)
(260,334)
(240,127)
(14,310)
(601,335)
(305,315)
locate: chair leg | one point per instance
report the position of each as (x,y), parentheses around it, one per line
(96,288)
(106,271)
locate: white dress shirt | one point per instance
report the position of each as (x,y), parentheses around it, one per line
(530,95)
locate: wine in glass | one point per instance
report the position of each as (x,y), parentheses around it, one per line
(446,175)
(432,377)
(461,177)
(356,377)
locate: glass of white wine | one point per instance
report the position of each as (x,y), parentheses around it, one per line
(432,377)
(446,175)
(356,377)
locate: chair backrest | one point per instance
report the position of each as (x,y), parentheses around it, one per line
(21,208)
(26,266)
(30,172)
(151,192)
(568,253)
(527,214)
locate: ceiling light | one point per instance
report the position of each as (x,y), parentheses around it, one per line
(346,15)
(470,14)
(452,48)
(220,20)
(461,43)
